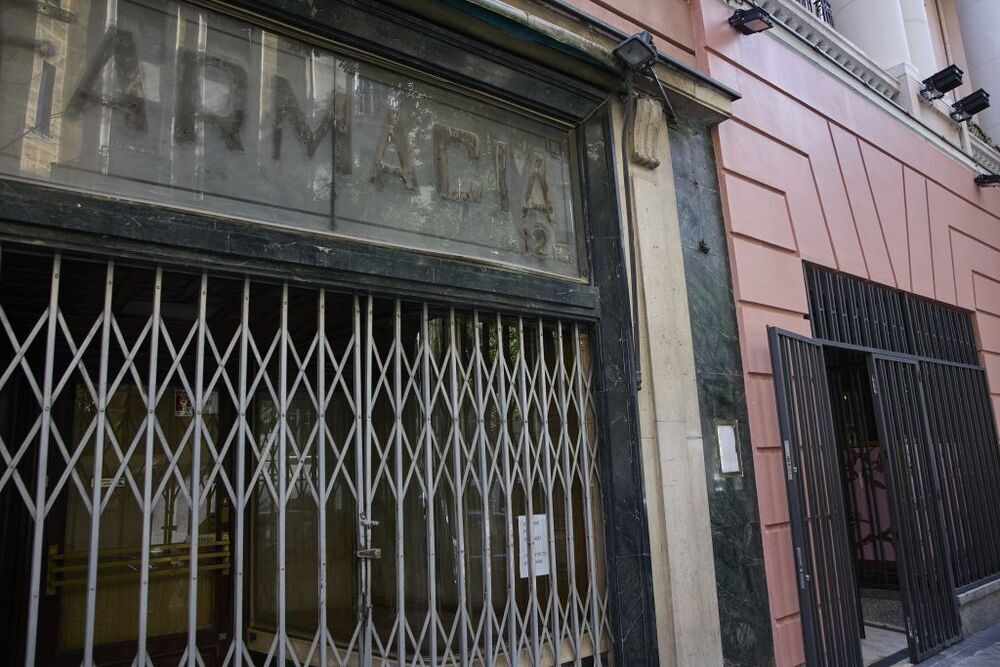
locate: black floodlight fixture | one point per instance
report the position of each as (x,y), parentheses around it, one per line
(751,21)
(637,52)
(988,180)
(970,105)
(936,85)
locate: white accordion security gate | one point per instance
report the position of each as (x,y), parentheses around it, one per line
(210,469)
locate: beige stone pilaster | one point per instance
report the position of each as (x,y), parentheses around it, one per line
(685,595)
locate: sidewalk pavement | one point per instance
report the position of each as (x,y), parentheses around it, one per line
(979,650)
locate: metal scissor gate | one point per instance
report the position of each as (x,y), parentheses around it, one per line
(212,469)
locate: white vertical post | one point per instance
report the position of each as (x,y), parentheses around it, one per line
(563,380)
(41,477)
(321,407)
(528,480)
(484,487)
(876,26)
(241,495)
(152,393)
(429,476)
(459,485)
(918,38)
(195,512)
(545,444)
(397,391)
(508,491)
(979,22)
(282,471)
(367,471)
(364,473)
(98,472)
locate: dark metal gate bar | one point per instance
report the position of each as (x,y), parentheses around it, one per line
(847,310)
(223,470)
(850,310)
(964,437)
(929,602)
(938,331)
(827,596)
(854,311)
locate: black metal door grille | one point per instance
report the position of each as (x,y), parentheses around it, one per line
(826,580)
(928,590)
(850,310)
(939,332)
(964,437)
(856,312)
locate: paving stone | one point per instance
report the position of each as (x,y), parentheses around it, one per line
(979,650)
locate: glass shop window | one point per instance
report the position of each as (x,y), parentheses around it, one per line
(173,104)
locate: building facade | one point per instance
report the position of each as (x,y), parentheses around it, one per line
(355,333)
(318,342)
(853,219)
(860,251)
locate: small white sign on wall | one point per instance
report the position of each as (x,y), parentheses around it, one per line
(729,451)
(539,545)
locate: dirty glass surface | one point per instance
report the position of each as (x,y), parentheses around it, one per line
(170,103)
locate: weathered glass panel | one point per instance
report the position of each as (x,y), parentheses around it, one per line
(173,104)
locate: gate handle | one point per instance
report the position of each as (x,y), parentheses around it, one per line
(369,554)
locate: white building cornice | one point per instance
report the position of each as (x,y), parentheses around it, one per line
(819,42)
(830,42)
(985,155)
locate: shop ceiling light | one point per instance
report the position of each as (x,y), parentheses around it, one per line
(936,85)
(988,180)
(637,52)
(751,21)
(970,105)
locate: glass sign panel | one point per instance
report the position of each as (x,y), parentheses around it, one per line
(170,103)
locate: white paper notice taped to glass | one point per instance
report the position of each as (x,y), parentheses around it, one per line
(539,545)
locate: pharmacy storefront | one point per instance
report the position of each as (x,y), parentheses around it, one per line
(312,345)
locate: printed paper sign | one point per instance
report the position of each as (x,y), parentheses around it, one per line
(184,406)
(539,545)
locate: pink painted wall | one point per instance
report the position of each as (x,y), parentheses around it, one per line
(669,21)
(810,170)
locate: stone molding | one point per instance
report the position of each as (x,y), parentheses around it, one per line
(985,155)
(644,134)
(827,40)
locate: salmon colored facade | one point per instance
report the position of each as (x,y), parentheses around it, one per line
(812,170)
(668,21)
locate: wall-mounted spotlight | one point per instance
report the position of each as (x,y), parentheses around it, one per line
(988,180)
(970,105)
(937,85)
(637,52)
(751,21)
